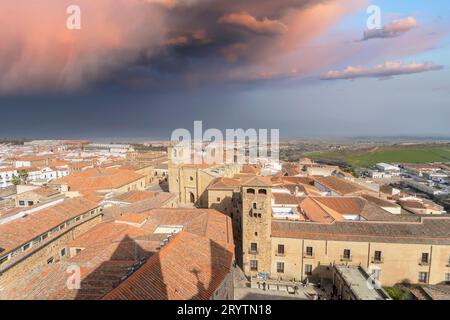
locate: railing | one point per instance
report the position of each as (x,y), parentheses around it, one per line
(346,258)
(377,260)
(424,262)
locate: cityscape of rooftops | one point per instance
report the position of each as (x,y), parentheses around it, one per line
(269,151)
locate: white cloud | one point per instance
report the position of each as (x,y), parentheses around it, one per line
(387,69)
(392,29)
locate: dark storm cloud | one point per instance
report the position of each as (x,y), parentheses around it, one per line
(140,41)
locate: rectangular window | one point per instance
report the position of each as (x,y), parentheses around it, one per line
(218,199)
(377,256)
(30,203)
(77,218)
(347,254)
(37,240)
(308,269)
(21,203)
(26,247)
(281,249)
(63,252)
(254,265)
(423,276)
(44,236)
(309,251)
(424,258)
(253,247)
(4,259)
(280,267)
(50,260)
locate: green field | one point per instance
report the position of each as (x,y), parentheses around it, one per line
(407,154)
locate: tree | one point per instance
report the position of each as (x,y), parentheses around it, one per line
(21,178)
(16,180)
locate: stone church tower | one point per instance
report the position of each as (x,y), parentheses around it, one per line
(256,225)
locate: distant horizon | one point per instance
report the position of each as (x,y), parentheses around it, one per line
(395,139)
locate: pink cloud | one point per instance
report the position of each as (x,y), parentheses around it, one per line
(249,22)
(392,29)
(387,69)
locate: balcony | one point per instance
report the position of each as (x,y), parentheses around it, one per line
(424,262)
(346,258)
(377,260)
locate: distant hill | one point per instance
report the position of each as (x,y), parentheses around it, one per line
(417,153)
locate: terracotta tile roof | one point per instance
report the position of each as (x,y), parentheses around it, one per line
(134,196)
(191,266)
(258,181)
(429,231)
(340,186)
(284,198)
(98,179)
(252,169)
(44,191)
(22,230)
(158,201)
(225,183)
(8,169)
(188,268)
(379,202)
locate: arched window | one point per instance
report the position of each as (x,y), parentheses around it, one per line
(192,197)
(254,205)
(250,190)
(262,191)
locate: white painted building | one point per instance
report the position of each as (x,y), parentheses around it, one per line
(386,167)
(6,176)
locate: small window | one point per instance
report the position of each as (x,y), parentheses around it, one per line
(346,253)
(21,203)
(191,178)
(309,251)
(253,247)
(280,267)
(262,191)
(377,256)
(251,191)
(423,276)
(30,203)
(62,226)
(424,258)
(281,249)
(254,265)
(254,205)
(50,260)
(77,218)
(77,251)
(256,234)
(44,236)
(308,269)
(63,252)
(218,199)
(26,247)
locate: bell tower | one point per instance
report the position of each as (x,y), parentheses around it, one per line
(256,225)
